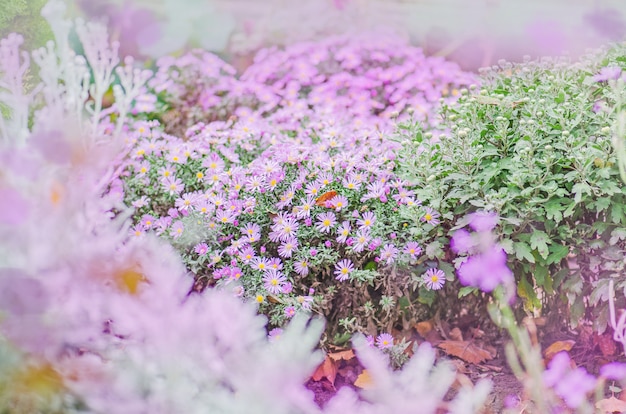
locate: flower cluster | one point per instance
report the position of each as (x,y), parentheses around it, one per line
(370,77)
(274,217)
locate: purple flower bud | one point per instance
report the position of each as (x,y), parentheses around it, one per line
(350,241)
(327,243)
(308,222)
(313,252)
(262,249)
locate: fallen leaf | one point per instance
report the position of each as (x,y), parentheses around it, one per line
(327,369)
(606,344)
(423,328)
(345,355)
(456,335)
(321,200)
(557,347)
(467,351)
(611,405)
(364,380)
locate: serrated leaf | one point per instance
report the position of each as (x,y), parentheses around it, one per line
(557,253)
(539,241)
(522,252)
(433,249)
(578,189)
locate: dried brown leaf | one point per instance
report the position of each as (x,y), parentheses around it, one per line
(364,380)
(456,335)
(467,351)
(606,344)
(557,347)
(424,327)
(327,369)
(611,405)
(346,355)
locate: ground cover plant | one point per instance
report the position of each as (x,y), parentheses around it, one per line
(155,266)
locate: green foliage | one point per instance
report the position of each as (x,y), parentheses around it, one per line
(534,145)
(24,17)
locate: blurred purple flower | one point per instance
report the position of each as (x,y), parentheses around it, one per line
(14,208)
(483,221)
(608,73)
(486,270)
(614,371)
(461,242)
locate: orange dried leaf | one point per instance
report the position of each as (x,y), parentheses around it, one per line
(321,200)
(345,355)
(423,328)
(327,369)
(611,405)
(364,380)
(557,347)
(467,351)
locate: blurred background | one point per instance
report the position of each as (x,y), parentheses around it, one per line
(474,33)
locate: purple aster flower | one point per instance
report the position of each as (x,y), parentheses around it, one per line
(483,220)
(290,311)
(148,221)
(287,288)
(384,341)
(288,247)
(570,384)
(177,229)
(326,221)
(413,249)
(301,267)
(369,339)
(343,231)
(275,334)
(608,73)
(273,281)
(201,248)
(389,253)
(343,269)
(361,239)
(368,220)
(260,263)
(339,202)
(172,185)
(486,270)
(430,216)
(434,278)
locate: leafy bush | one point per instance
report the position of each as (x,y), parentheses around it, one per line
(534,145)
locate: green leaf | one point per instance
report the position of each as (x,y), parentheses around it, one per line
(426,296)
(578,189)
(448,269)
(466,290)
(434,250)
(522,252)
(540,274)
(371,265)
(617,235)
(557,253)
(528,295)
(539,240)
(554,210)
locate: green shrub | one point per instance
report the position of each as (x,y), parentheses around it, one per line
(534,145)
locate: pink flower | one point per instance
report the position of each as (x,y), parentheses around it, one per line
(384,341)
